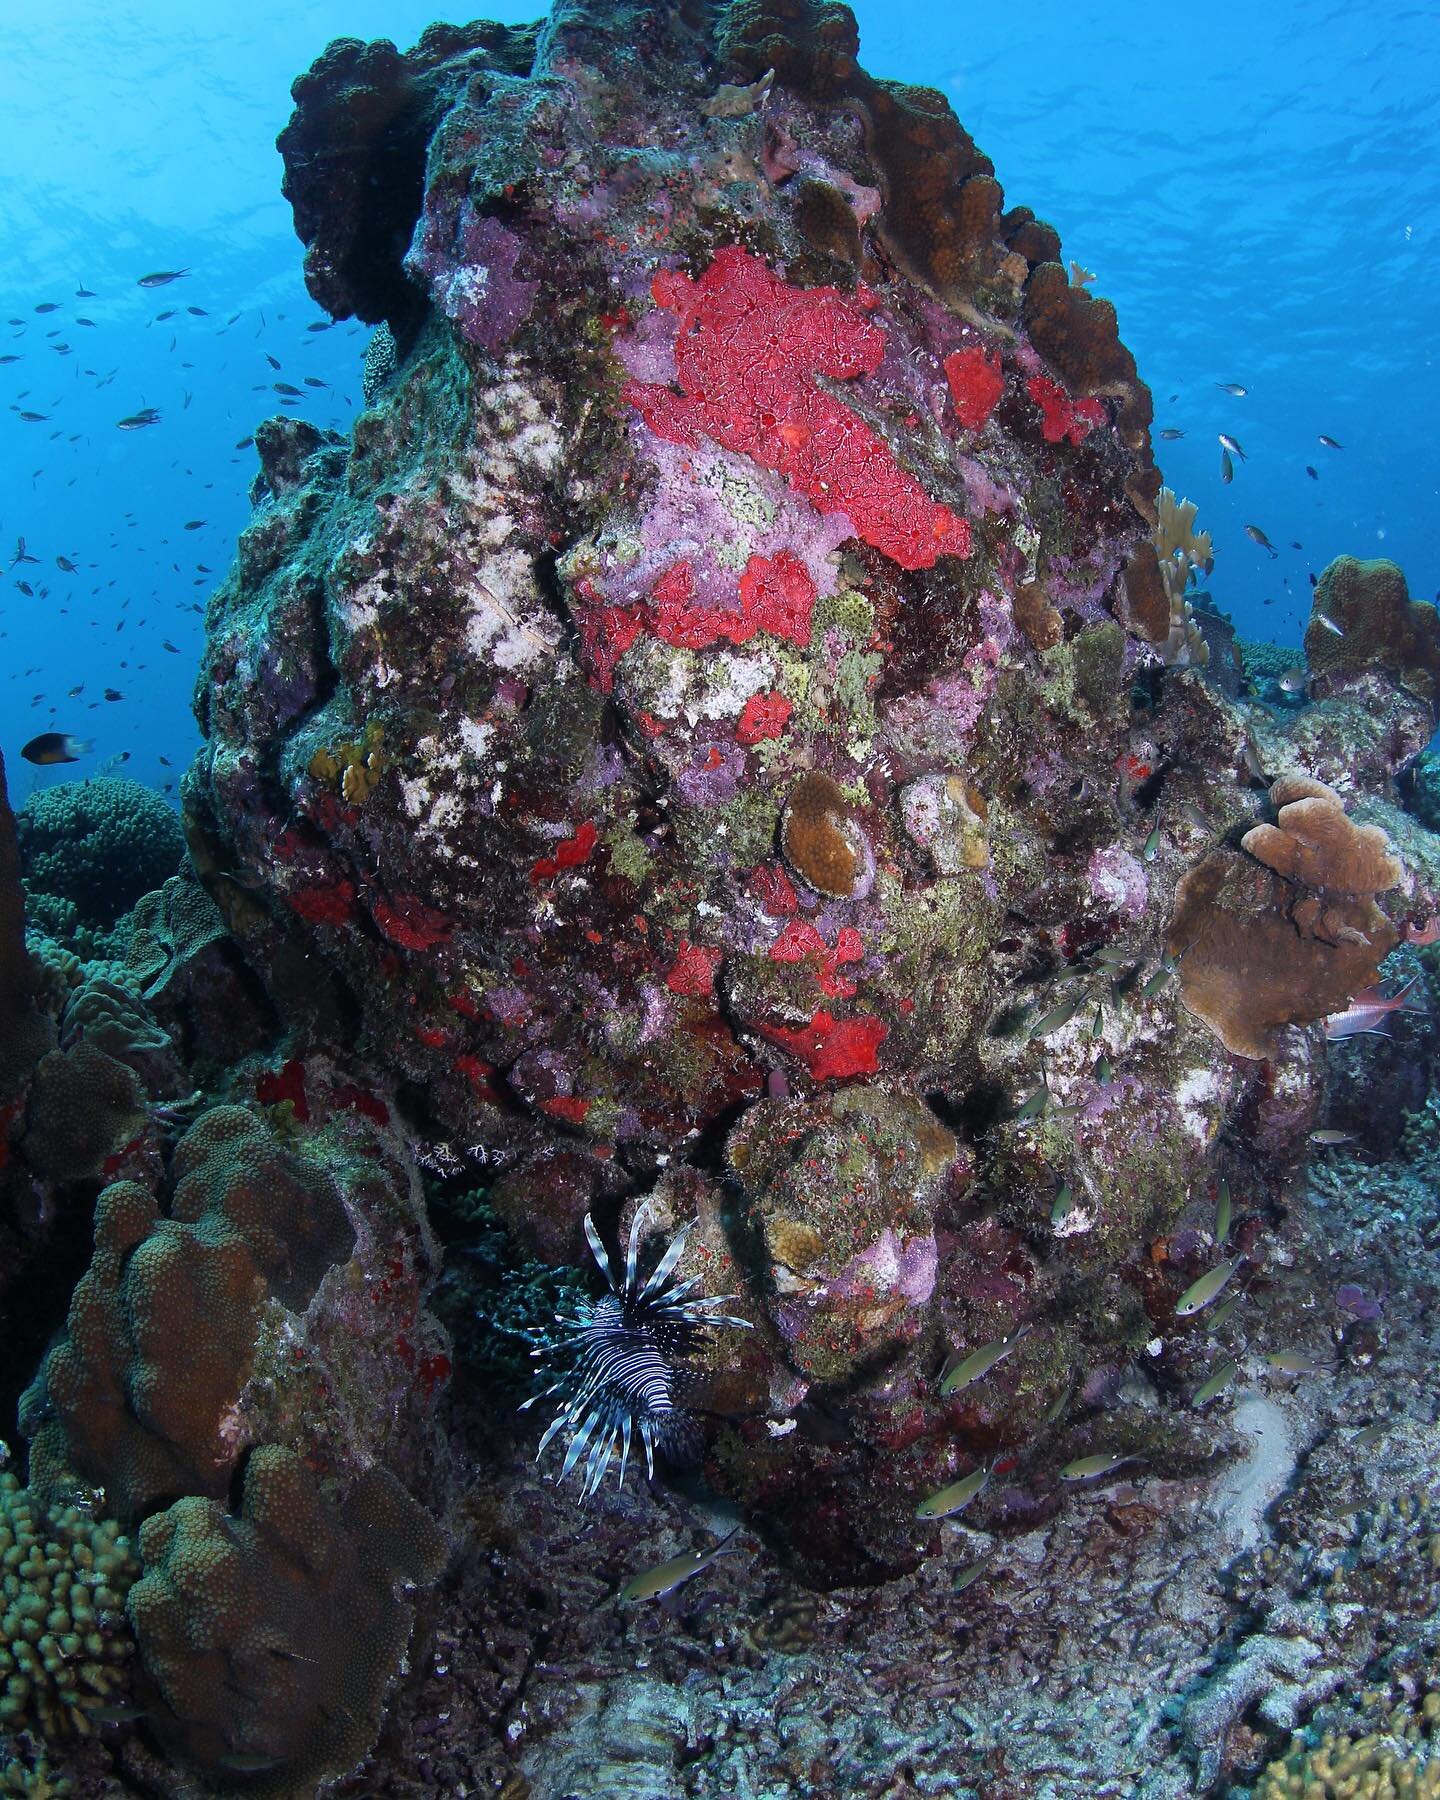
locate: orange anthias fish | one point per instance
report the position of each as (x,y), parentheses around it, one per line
(1368,1010)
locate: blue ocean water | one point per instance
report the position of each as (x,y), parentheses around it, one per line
(1256,188)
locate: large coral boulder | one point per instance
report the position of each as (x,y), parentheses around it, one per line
(1363,618)
(698,706)
(272,1635)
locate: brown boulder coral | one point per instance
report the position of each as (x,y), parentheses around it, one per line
(273,1634)
(1383,628)
(1288,932)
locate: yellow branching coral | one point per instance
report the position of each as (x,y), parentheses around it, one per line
(63,1643)
(1182,551)
(1343,1768)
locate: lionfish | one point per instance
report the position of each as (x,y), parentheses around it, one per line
(617,1359)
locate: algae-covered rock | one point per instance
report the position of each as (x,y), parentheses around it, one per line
(718,691)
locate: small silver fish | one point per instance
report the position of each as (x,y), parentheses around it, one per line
(945,1502)
(1314,474)
(1222,1212)
(1329,1138)
(664,1578)
(1232,387)
(1222,1312)
(972,1572)
(1232,445)
(1257,536)
(161,278)
(1170,434)
(980,1362)
(1200,1293)
(1056,1017)
(1329,624)
(1087,1468)
(1080,277)
(1295,680)
(1161,978)
(1031,1107)
(1064,1201)
(1295,1362)
(1227,468)
(1151,846)
(1218,1380)
(1330,443)
(1104,1074)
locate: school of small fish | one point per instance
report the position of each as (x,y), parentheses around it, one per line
(159,615)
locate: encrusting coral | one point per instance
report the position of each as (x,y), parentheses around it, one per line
(85,1107)
(1313,841)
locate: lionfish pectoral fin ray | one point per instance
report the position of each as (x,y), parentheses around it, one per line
(632,1249)
(576,1448)
(598,1250)
(626,1430)
(647,1437)
(601,1453)
(666,1263)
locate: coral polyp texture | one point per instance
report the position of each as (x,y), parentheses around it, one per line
(706,740)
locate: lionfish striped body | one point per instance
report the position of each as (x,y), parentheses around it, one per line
(617,1359)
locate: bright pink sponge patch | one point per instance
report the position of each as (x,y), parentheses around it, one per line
(748,351)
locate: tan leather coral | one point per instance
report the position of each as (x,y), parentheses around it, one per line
(1315,842)
(1288,931)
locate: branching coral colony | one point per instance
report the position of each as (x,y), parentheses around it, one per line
(719,757)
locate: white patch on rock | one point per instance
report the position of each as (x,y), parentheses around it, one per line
(1079,1219)
(476,735)
(507,626)
(1197,1100)
(414,795)
(1239,1499)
